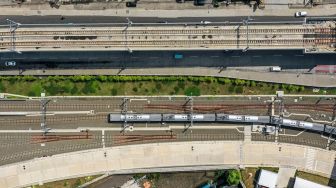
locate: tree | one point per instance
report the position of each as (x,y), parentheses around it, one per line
(233,177)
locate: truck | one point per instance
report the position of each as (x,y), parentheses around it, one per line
(275,69)
(178,56)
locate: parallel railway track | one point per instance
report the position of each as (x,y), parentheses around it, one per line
(178,31)
(162,43)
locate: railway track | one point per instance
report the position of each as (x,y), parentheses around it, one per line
(162,43)
(229,108)
(170,31)
(37,120)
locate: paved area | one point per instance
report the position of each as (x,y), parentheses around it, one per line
(286,177)
(165,155)
(312,80)
(165,10)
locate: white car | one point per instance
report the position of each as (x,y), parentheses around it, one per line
(300,14)
(10,63)
(205,22)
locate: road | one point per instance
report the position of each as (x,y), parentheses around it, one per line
(287,59)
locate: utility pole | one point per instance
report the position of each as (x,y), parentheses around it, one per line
(12,27)
(44,103)
(331,134)
(190,115)
(129,24)
(246,22)
(124,109)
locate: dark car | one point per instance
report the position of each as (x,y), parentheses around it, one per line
(199,2)
(131,4)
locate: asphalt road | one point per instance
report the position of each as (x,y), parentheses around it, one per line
(287,59)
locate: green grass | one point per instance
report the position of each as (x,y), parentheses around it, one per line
(146,85)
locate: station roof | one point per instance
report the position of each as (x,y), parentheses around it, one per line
(302,183)
(267,179)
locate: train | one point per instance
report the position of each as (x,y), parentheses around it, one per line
(219,117)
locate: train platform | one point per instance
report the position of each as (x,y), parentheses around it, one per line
(311,80)
(181,156)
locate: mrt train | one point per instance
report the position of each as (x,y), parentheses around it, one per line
(219,117)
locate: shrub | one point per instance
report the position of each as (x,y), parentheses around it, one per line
(90,87)
(233,177)
(135,89)
(301,89)
(74,90)
(253,84)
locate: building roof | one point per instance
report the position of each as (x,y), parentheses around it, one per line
(302,183)
(267,179)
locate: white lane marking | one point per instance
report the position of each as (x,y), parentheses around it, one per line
(103,138)
(134,57)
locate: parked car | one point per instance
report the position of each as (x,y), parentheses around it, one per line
(205,22)
(10,63)
(301,14)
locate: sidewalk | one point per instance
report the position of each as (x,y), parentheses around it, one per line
(159,10)
(165,157)
(312,80)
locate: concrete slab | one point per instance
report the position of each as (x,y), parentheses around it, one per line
(285,177)
(173,156)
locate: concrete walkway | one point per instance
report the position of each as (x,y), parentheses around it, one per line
(158,10)
(166,156)
(313,80)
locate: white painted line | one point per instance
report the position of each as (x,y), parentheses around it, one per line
(103,138)
(134,57)
(138,100)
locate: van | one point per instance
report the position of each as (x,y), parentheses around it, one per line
(275,69)
(301,14)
